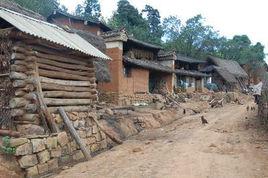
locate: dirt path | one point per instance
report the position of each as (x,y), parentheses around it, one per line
(230,146)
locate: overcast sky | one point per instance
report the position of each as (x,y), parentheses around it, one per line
(229,17)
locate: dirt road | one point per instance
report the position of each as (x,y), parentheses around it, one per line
(230,146)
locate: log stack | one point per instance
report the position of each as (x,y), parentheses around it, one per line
(66,81)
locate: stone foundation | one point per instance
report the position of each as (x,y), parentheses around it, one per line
(41,154)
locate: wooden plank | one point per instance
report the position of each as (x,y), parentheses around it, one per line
(4,75)
(57,87)
(66,102)
(64,94)
(74,134)
(65,82)
(62,75)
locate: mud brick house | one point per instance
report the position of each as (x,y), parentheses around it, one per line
(44,67)
(75,22)
(135,68)
(226,73)
(188,76)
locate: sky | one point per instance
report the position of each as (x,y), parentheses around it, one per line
(229,17)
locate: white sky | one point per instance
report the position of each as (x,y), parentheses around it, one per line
(229,17)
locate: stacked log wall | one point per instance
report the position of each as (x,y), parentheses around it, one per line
(61,80)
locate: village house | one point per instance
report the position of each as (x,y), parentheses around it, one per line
(188,76)
(42,68)
(135,68)
(74,22)
(226,74)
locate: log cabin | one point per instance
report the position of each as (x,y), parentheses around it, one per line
(135,68)
(43,67)
(227,74)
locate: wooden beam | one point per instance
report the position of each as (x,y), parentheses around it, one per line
(74,134)
(76,72)
(51,86)
(66,102)
(4,75)
(61,75)
(70,108)
(65,82)
(65,94)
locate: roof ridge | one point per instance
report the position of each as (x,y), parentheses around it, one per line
(30,18)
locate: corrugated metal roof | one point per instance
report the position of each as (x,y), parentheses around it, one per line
(50,32)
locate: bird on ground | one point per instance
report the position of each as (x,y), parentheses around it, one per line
(203,120)
(184,111)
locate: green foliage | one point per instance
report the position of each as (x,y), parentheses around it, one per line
(43,7)
(146,29)
(5,148)
(154,22)
(90,9)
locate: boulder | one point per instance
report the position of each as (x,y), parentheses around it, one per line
(31,172)
(51,143)
(53,164)
(62,138)
(42,168)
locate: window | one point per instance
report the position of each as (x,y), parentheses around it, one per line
(127,71)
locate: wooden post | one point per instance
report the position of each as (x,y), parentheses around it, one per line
(73,132)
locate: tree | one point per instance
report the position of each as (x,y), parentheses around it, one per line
(92,9)
(172,27)
(43,7)
(128,17)
(63,8)
(154,22)
(194,39)
(79,10)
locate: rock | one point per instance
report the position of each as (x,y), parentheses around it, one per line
(42,168)
(43,156)
(14,142)
(88,132)
(82,134)
(109,112)
(58,119)
(212,145)
(76,124)
(51,143)
(65,159)
(91,140)
(95,129)
(78,155)
(53,164)
(136,150)
(38,145)
(65,167)
(55,153)
(81,124)
(103,144)
(31,172)
(28,161)
(62,138)
(30,129)
(95,147)
(24,149)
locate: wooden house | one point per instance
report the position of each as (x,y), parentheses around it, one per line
(135,68)
(43,67)
(227,74)
(79,23)
(188,76)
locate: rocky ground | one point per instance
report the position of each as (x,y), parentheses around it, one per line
(233,144)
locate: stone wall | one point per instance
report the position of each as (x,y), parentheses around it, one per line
(41,154)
